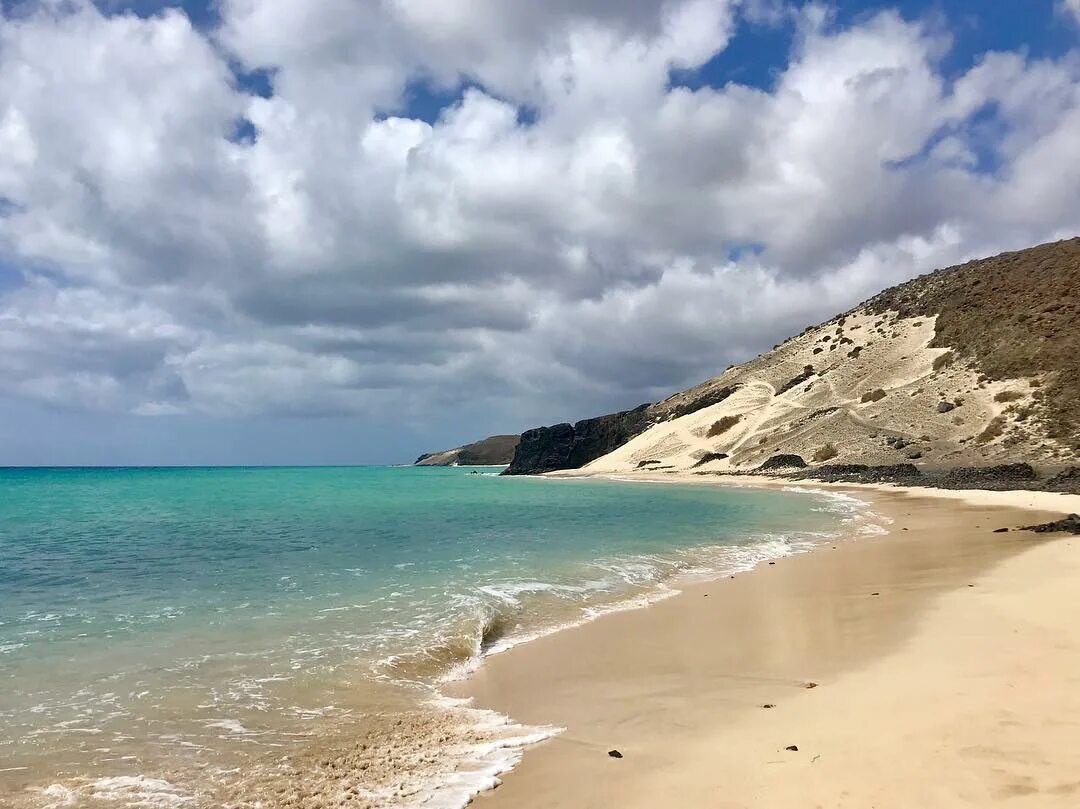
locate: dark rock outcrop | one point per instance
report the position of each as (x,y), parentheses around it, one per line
(978,476)
(1068,480)
(861,473)
(807,372)
(693,404)
(1067,525)
(571,446)
(777,462)
(709,456)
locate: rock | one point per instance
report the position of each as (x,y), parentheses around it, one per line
(1067,525)
(493,451)
(543,449)
(646,463)
(807,372)
(974,477)
(768,705)
(709,456)
(914,454)
(614,753)
(782,462)
(810,685)
(945,407)
(571,446)
(794,748)
(1068,480)
(1001,530)
(861,473)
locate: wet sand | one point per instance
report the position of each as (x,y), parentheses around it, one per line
(945,658)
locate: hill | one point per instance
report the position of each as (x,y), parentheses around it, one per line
(496,450)
(966,366)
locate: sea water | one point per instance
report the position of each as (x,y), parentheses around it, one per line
(277,636)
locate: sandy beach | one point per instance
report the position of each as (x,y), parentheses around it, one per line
(935,666)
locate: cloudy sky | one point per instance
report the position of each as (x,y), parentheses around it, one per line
(335,231)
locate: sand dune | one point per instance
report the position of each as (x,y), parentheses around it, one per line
(838,392)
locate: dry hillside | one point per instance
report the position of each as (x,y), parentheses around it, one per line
(497,450)
(971,365)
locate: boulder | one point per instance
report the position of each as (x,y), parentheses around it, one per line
(782,462)
(1066,525)
(709,456)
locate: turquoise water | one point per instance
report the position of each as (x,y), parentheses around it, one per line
(181,624)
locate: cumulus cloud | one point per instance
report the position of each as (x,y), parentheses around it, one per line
(574,227)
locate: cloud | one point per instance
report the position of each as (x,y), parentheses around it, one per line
(1071,8)
(573,231)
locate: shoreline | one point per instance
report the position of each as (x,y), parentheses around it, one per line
(641,681)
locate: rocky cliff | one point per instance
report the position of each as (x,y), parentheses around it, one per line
(966,366)
(570,446)
(496,450)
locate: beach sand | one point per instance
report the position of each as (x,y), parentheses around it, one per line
(946,659)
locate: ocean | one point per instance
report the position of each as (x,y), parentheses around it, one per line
(276,637)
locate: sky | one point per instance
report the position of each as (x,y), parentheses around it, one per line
(351,231)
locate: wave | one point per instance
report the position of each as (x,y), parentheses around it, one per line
(497,616)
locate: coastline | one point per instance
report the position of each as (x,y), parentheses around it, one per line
(678,687)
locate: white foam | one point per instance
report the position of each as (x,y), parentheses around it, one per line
(231,725)
(139,791)
(133,791)
(480,763)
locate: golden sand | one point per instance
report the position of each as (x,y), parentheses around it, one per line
(944,659)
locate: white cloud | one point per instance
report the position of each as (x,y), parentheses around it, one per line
(1071,8)
(633,238)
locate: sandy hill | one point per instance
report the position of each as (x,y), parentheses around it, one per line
(492,451)
(970,365)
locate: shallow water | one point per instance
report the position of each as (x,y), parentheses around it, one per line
(220,637)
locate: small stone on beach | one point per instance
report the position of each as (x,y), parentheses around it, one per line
(875,594)
(772,563)
(793,748)
(768,705)
(1001,530)
(809,685)
(614,753)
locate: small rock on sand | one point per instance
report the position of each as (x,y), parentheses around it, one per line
(614,753)
(794,748)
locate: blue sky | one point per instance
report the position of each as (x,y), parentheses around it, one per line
(320,232)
